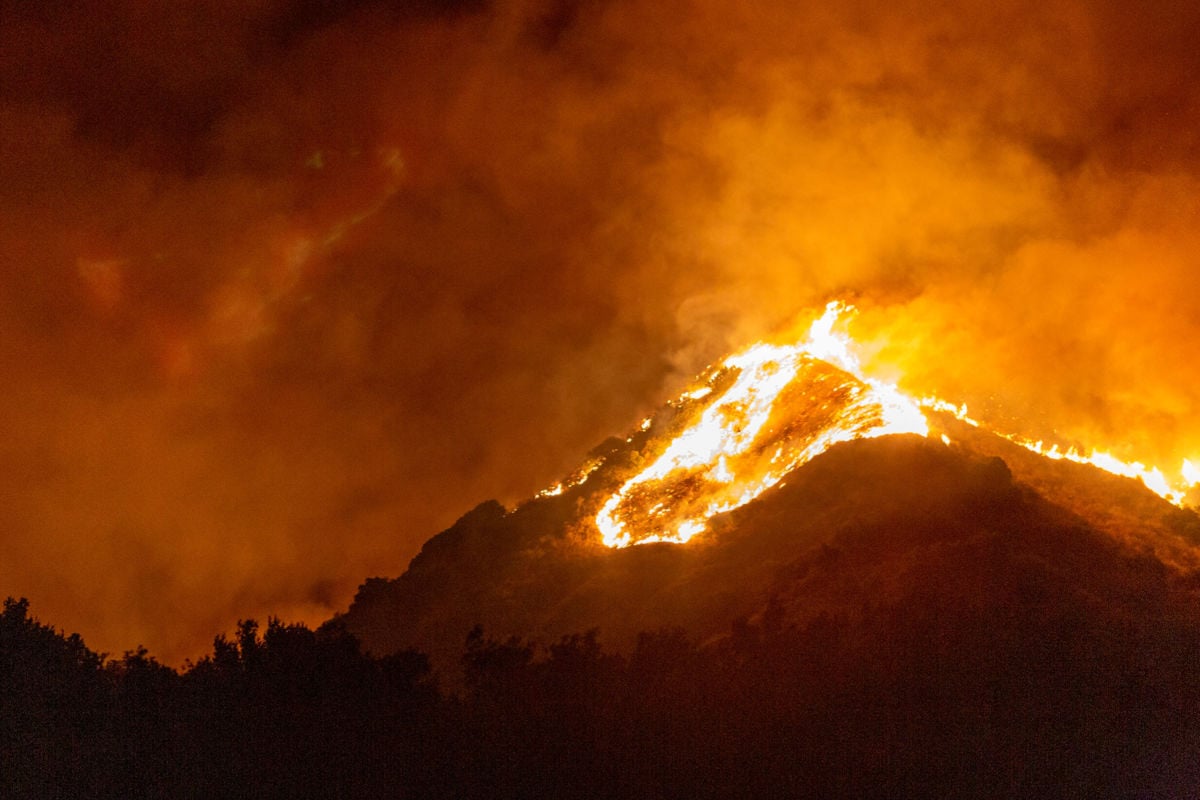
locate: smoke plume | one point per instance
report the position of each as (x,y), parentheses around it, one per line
(285,288)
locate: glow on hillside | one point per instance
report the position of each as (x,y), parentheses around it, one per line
(784,405)
(1153,477)
(768,409)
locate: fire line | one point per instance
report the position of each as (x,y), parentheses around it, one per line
(767,410)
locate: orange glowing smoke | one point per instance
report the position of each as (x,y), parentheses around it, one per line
(769,409)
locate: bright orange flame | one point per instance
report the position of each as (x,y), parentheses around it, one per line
(771,408)
(746,440)
(1152,477)
(576,478)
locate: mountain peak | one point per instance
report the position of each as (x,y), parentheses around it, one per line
(776,466)
(867,522)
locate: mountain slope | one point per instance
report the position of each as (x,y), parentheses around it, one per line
(869,525)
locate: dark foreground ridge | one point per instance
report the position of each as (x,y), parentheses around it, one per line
(901,619)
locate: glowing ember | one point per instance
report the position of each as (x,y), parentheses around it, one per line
(577,478)
(768,410)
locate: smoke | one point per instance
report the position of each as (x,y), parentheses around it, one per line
(286,289)
(1006,192)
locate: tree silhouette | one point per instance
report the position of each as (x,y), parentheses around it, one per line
(1036,690)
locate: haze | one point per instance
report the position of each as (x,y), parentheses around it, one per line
(285,289)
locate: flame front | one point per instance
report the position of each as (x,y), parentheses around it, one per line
(1152,477)
(1191,473)
(783,405)
(768,410)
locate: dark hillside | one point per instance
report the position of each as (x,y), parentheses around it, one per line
(871,522)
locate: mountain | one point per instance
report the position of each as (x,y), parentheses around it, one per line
(794,580)
(980,527)
(862,614)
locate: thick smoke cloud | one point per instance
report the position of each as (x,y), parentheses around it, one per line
(285,289)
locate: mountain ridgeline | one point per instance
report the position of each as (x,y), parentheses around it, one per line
(866,526)
(898,617)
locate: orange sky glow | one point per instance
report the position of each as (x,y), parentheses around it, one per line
(286,287)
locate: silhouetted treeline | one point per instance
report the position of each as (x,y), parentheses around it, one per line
(288,712)
(1033,695)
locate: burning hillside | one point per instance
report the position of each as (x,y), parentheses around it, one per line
(770,408)
(757,416)
(757,466)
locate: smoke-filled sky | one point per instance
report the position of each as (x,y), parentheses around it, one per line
(286,286)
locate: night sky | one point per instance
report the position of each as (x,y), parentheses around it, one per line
(287,286)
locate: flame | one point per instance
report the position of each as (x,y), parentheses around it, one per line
(783,405)
(1152,477)
(767,410)
(576,478)
(1191,473)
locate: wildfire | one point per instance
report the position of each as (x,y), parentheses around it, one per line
(767,410)
(576,478)
(1154,478)
(783,405)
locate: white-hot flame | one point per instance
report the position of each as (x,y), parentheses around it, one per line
(1152,477)
(735,426)
(745,440)
(1191,472)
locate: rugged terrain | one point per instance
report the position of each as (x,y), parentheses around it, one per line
(976,526)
